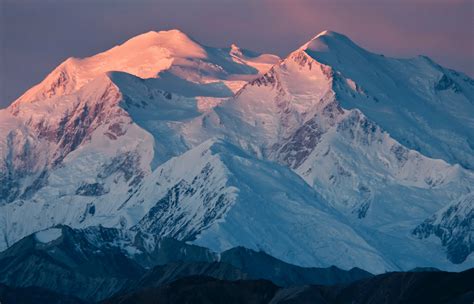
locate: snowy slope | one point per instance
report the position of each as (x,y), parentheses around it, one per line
(219,197)
(349,152)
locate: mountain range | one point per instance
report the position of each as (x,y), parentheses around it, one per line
(109,265)
(332,156)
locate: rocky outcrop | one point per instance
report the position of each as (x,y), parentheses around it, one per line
(454,226)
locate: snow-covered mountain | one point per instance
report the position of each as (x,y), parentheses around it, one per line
(332,156)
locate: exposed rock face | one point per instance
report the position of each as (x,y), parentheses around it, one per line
(454,226)
(446,83)
(165,219)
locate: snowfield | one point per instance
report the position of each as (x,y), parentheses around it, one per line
(48,235)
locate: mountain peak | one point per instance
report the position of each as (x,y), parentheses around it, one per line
(174,40)
(329,33)
(173,34)
(325,41)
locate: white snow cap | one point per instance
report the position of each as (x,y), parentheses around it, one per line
(174,40)
(323,40)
